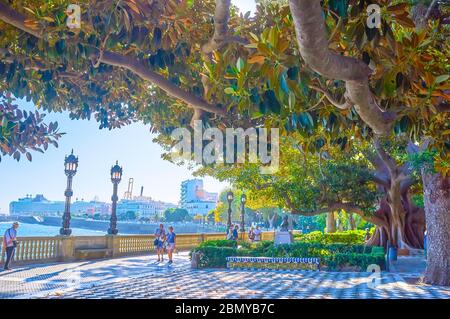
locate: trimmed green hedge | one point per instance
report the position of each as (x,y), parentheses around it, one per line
(333,256)
(345,237)
(362,261)
(219,243)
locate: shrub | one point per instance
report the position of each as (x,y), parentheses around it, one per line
(214,257)
(219,243)
(362,261)
(334,256)
(376,250)
(345,237)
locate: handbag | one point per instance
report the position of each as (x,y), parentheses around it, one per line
(156,242)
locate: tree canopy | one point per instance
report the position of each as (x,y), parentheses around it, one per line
(176,215)
(166,62)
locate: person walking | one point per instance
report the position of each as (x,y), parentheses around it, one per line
(171,241)
(251,234)
(10,243)
(160,237)
(230,233)
(257,234)
(235,233)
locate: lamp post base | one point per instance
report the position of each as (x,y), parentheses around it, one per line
(113,231)
(65,231)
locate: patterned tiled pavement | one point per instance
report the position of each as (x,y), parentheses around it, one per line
(141,277)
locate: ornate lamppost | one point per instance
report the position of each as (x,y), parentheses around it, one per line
(230,197)
(243,200)
(70,169)
(116,176)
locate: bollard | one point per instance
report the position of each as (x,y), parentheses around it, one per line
(392,253)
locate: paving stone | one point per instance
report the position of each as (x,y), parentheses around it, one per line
(141,277)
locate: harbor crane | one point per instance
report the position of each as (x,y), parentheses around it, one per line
(129,193)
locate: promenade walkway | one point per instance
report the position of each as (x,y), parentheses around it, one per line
(141,277)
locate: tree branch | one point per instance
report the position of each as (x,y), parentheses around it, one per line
(17,20)
(14,18)
(427,15)
(380,179)
(343,106)
(221,17)
(386,158)
(313,43)
(135,66)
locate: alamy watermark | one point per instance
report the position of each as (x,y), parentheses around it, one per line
(375,277)
(231,149)
(73,12)
(373,16)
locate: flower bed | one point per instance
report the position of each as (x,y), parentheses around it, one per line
(332,256)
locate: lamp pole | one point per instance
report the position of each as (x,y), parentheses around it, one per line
(70,169)
(116,176)
(243,200)
(230,197)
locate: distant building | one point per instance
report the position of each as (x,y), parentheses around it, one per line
(144,206)
(195,199)
(39,205)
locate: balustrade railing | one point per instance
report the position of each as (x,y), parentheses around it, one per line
(50,249)
(35,249)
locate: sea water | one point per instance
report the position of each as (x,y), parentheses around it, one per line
(32,230)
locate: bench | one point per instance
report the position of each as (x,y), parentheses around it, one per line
(280,263)
(92,253)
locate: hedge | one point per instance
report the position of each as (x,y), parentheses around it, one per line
(219,243)
(333,256)
(335,261)
(215,257)
(345,237)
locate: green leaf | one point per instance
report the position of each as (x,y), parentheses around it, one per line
(291,100)
(240,64)
(441,78)
(229,90)
(283,84)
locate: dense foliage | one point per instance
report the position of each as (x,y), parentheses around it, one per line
(176,215)
(22,131)
(347,237)
(332,256)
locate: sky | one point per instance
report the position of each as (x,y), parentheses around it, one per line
(98,150)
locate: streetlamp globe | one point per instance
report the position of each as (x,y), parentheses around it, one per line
(116,173)
(230,196)
(243,198)
(70,165)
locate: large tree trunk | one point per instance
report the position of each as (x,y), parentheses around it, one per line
(437,214)
(403,222)
(410,234)
(331,223)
